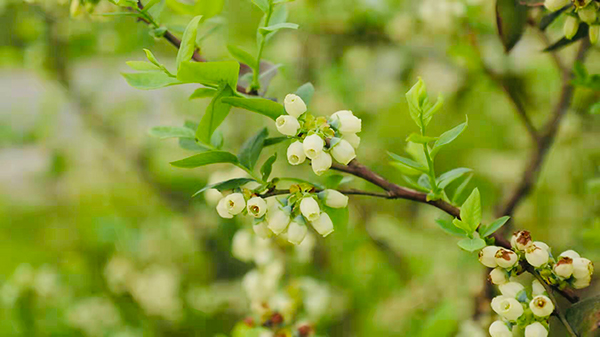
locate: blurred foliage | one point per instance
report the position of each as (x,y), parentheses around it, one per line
(101,238)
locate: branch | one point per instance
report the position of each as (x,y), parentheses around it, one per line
(346,192)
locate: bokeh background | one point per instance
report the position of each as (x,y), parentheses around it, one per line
(99,235)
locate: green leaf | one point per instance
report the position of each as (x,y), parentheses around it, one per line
(306,92)
(150,4)
(192,145)
(471,245)
(414,184)
(430,109)
(448,137)
(458,194)
(209,73)
(511,20)
(486,231)
(424,182)
(449,227)
(242,56)
(584,316)
(154,61)
(142,66)
(188,41)
(203,93)
(416,97)
(405,169)
(470,212)
(225,185)
(277,27)
(450,176)
(216,140)
(206,158)
(420,139)
(408,162)
(462,225)
(262,4)
(262,106)
(275,140)
(215,114)
(165,132)
(267,167)
(251,149)
(149,80)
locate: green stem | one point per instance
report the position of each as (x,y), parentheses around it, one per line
(255,76)
(431,173)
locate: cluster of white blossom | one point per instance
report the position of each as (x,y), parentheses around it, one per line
(530,310)
(317,138)
(286,215)
(585,11)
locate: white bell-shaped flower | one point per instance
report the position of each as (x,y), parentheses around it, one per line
(543,246)
(541,306)
(279,220)
(487,256)
(348,123)
(222,209)
(582,268)
(323,225)
(506,258)
(554,5)
(287,125)
(297,230)
(511,289)
(498,276)
(536,330)
(257,207)
(333,198)
(310,208)
(537,288)
(507,307)
(537,256)
(295,153)
(588,14)
(521,240)
(564,267)
(235,203)
(343,152)
(499,329)
(321,164)
(313,146)
(581,283)
(571,27)
(353,139)
(294,105)
(261,229)
(570,253)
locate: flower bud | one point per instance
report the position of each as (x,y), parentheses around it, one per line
(323,225)
(295,153)
(588,14)
(261,228)
(594,32)
(333,198)
(498,276)
(310,208)
(537,288)
(582,268)
(571,27)
(570,253)
(507,307)
(343,152)
(287,125)
(297,230)
(222,210)
(279,220)
(541,306)
(506,258)
(581,283)
(257,207)
(348,123)
(313,146)
(321,164)
(294,105)
(235,203)
(537,256)
(554,5)
(521,240)
(241,246)
(543,246)
(536,330)
(487,256)
(499,329)
(511,289)
(564,267)
(353,139)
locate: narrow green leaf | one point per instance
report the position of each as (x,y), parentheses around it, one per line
(306,92)
(424,182)
(251,149)
(405,169)
(408,162)
(192,145)
(215,114)
(416,97)
(488,230)
(430,109)
(471,245)
(242,56)
(262,4)
(216,140)
(262,106)
(449,227)
(458,194)
(203,93)
(267,167)
(225,185)
(206,158)
(149,80)
(511,20)
(165,132)
(420,139)
(448,137)
(414,184)
(275,140)
(209,73)
(470,212)
(450,176)
(188,41)
(279,26)
(462,225)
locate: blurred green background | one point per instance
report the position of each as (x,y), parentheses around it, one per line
(99,235)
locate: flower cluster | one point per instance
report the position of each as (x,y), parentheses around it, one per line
(530,310)
(285,215)
(584,11)
(317,138)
